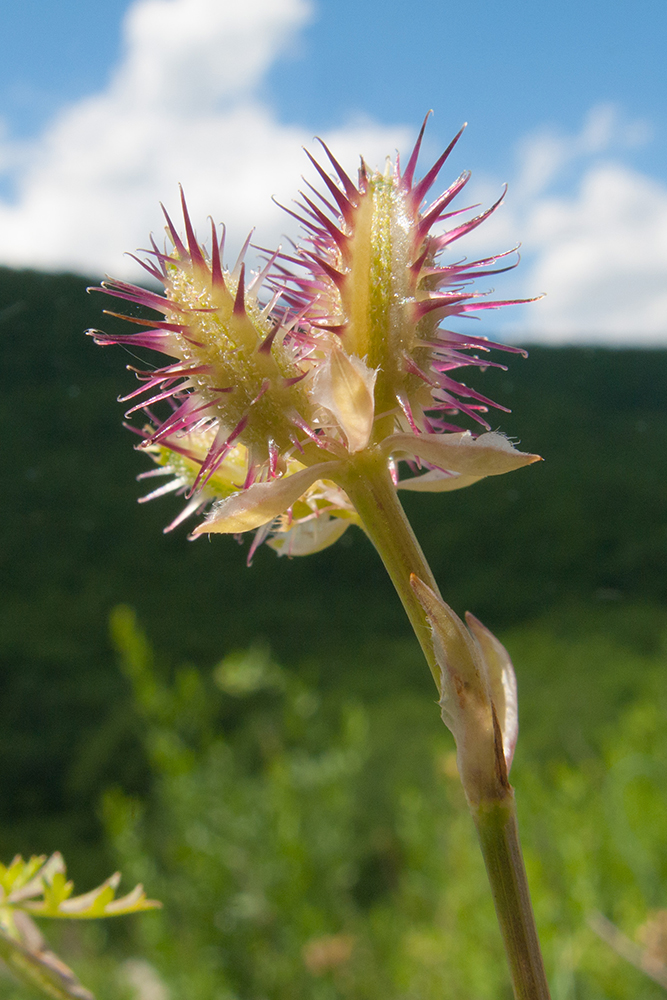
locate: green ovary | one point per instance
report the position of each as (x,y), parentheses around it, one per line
(228,345)
(377,296)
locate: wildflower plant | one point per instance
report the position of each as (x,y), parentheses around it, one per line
(39,888)
(298,400)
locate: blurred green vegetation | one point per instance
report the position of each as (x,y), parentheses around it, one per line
(294,805)
(309,847)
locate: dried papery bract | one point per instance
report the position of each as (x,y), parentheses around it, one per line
(478,697)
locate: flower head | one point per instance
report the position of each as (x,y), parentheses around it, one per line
(279,382)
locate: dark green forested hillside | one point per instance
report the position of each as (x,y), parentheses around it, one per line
(575,541)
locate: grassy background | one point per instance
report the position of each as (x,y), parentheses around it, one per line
(565,560)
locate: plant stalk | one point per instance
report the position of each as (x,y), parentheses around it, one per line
(501,848)
(369,486)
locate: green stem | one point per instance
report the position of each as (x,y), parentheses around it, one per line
(499,839)
(373,494)
(370,488)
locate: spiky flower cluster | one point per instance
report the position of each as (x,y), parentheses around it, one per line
(280,383)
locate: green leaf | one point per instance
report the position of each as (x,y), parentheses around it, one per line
(27,881)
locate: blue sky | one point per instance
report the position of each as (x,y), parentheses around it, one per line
(105,108)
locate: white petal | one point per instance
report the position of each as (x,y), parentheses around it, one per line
(261,502)
(502,684)
(436,481)
(344,385)
(306,537)
(490,454)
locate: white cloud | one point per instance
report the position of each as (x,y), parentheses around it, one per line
(602,256)
(183,106)
(546,154)
(599,251)
(180,107)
